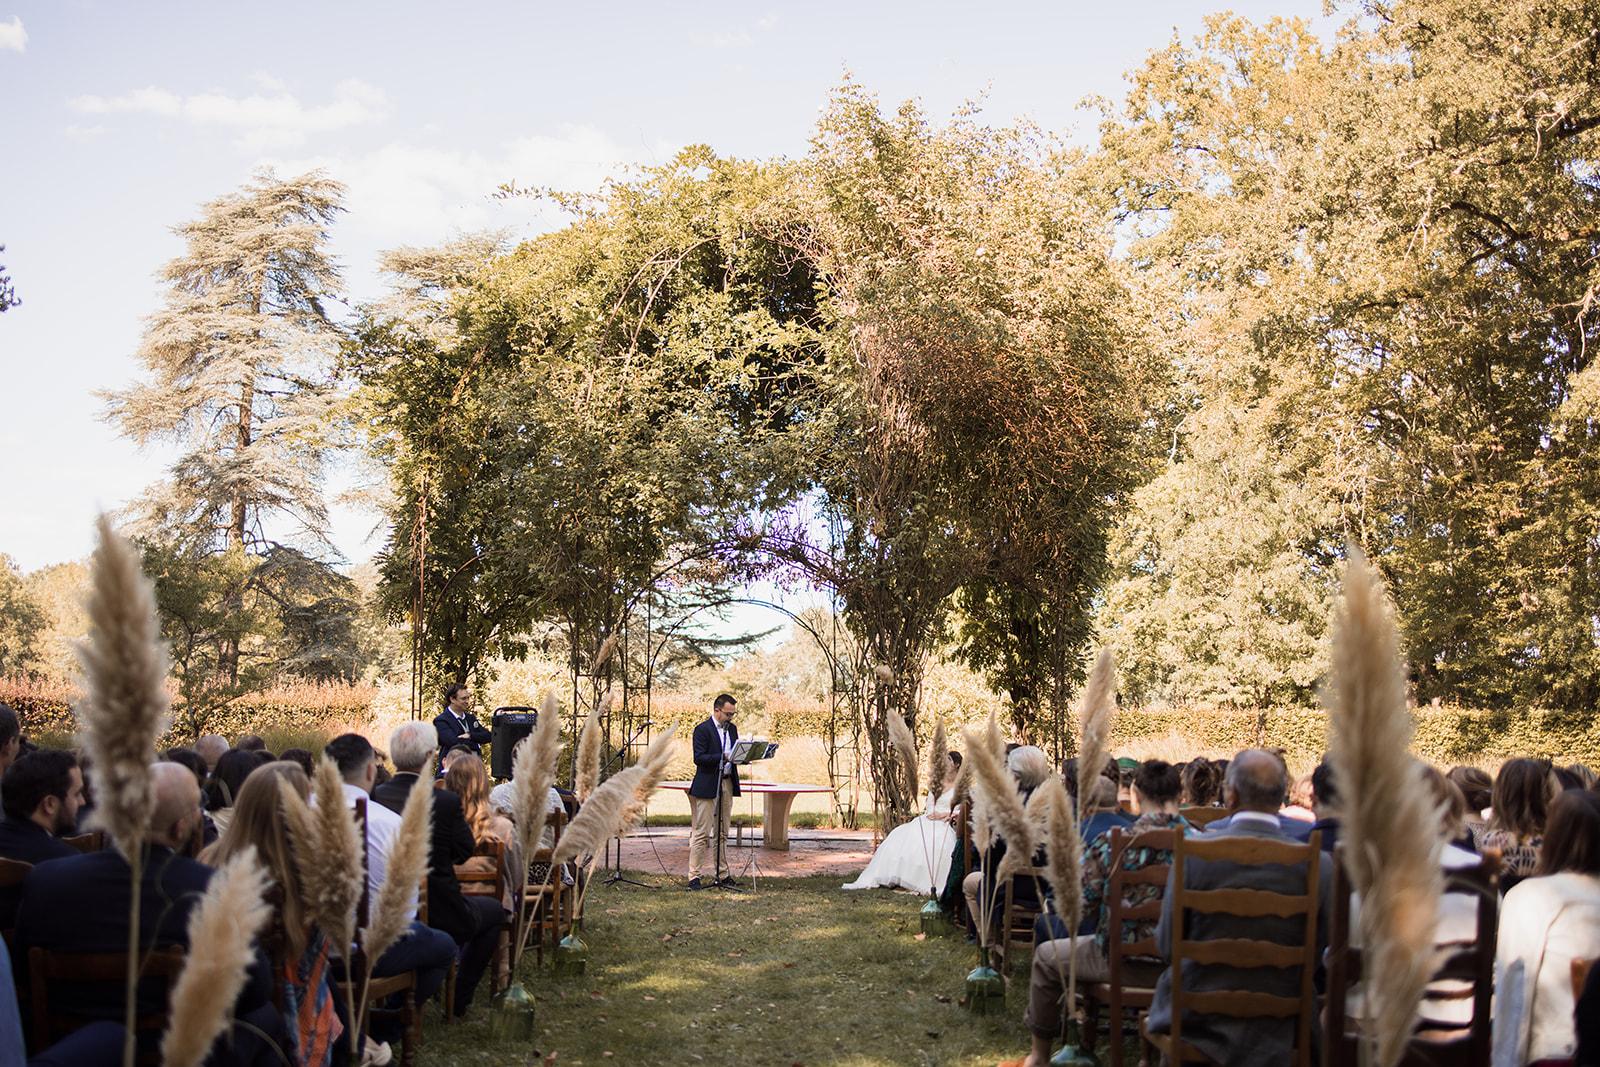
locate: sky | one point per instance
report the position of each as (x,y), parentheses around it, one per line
(119,120)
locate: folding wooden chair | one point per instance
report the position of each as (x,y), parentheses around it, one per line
(1134,965)
(1467,965)
(48,970)
(1240,951)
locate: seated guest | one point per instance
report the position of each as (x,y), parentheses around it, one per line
(1546,922)
(232,769)
(424,950)
(1323,798)
(1300,801)
(10,737)
(1581,776)
(473,922)
(1029,767)
(1294,828)
(301,758)
(1476,785)
(1522,793)
(189,758)
(1254,788)
(41,794)
(250,743)
(211,747)
(81,903)
(456,725)
(308,997)
(1202,784)
(1157,787)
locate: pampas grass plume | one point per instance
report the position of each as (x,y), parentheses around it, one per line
(607,648)
(654,761)
(1063,849)
(533,772)
(1002,802)
(408,865)
(905,747)
(885,675)
(588,772)
(222,929)
(601,816)
(125,705)
(1094,720)
(330,860)
(1387,812)
(938,761)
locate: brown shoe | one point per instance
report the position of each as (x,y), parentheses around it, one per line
(1012,1063)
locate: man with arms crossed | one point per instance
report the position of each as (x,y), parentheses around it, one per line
(713,774)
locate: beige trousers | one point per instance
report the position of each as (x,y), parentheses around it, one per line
(703,829)
(971,886)
(1047,980)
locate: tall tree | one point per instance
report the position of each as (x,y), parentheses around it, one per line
(240,359)
(8,291)
(22,620)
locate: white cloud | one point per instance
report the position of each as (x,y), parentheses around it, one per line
(275,118)
(12,36)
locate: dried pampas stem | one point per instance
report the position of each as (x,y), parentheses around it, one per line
(408,865)
(1095,713)
(125,703)
(1063,850)
(222,929)
(938,761)
(598,819)
(1384,804)
(332,872)
(905,747)
(533,772)
(602,657)
(1003,802)
(587,775)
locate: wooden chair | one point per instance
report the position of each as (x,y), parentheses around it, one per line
(539,911)
(93,841)
(379,989)
(48,970)
(1467,965)
(969,863)
(1017,916)
(1200,818)
(1240,951)
(478,880)
(1580,976)
(1136,965)
(12,872)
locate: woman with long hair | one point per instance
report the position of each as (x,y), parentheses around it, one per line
(1523,791)
(222,788)
(467,779)
(259,820)
(1547,922)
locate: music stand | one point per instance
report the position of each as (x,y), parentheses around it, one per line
(745,751)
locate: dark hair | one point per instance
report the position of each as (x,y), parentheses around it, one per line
(300,757)
(1568,780)
(350,752)
(251,743)
(10,725)
(233,768)
(452,689)
(1475,784)
(189,758)
(1158,780)
(1322,786)
(1571,837)
(722,699)
(955,757)
(1202,783)
(46,772)
(1522,794)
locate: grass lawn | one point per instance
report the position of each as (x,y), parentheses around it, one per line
(795,973)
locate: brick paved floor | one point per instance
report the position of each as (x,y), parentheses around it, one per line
(663,851)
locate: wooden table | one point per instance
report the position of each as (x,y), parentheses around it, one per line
(777,798)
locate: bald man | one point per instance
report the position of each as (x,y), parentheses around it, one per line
(81,903)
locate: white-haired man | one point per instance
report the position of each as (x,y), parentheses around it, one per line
(473,922)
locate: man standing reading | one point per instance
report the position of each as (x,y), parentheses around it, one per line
(714,778)
(456,725)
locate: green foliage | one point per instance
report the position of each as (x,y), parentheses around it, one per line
(8,290)
(22,619)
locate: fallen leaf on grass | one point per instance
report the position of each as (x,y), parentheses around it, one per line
(647,996)
(919,937)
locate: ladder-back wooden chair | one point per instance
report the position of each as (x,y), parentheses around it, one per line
(538,914)
(1242,952)
(49,970)
(482,880)
(1136,965)
(381,989)
(1200,818)
(1465,971)
(1017,916)
(12,872)
(93,841)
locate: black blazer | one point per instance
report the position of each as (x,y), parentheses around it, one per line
(27,841)
(708,760)
(80,904)
(452,843)
(451,733)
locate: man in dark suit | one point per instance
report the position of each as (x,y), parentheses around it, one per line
(41,793)
(80,904)
(455,725)
(473,922)
(1296,829)
(1255,788)
(713,776)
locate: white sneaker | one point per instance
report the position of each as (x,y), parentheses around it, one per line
(376,1053)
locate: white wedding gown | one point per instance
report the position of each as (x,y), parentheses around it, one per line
(915,855)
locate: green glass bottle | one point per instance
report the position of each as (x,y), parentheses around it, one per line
(571,957)
(986,991)
(513,1018)
(932,919)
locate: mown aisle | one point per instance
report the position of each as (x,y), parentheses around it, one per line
(794,973)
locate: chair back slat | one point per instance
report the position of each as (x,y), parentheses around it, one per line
(1203,817)
(48,969)
(1247,850)
(93,841)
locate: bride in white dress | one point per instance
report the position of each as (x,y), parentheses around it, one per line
(916,854)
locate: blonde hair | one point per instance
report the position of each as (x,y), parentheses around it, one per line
(259,820)
(467,779)
(1029,764)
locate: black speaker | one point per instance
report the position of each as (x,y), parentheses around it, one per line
(509,725)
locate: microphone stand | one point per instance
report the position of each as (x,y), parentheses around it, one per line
(616,874)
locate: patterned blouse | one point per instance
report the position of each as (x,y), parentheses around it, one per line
(1097,876)
(1518,856)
